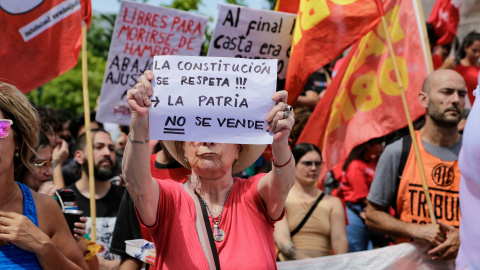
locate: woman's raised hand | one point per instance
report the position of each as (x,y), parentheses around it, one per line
(138,97)
(280,119)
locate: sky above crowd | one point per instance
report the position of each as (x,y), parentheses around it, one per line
(208,7)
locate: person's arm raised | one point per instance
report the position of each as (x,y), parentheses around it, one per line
(273,188)
(136,159)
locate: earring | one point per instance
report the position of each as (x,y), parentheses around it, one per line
(236,162)
(186,160)
(16,154)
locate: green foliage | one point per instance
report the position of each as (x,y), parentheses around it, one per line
(236,2)
(99,34)
(186,5)
(65,91)
(272,3)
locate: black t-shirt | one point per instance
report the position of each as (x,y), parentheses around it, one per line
(316,82)
(107,209)
(127,226)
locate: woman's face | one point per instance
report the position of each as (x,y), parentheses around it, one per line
(7,149)
(42,169)
(211,160)
(472,53)
(308,168)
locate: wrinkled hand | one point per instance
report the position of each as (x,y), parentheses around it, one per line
(449,248)
(21,232)
(60,152)
(430,233)
(138,98)
(47,188)
(275,118)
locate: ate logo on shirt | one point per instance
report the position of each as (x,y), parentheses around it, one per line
(443,175)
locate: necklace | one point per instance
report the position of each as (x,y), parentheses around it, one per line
(218,234)
(11,200)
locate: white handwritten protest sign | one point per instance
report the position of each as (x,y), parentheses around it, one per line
(253,33)
(141,32)
(212,99)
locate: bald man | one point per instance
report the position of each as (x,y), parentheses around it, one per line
(443,96)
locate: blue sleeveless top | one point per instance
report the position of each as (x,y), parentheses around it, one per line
(13,257)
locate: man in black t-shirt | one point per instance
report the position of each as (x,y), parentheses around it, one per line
(108,196)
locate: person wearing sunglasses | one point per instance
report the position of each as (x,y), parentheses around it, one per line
(33,231)
(324,229)
(39,179)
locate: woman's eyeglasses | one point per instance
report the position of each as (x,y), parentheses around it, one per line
(308,163)
(5,125)
(44,165)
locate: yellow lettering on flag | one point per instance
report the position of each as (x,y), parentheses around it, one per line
(341,107)
(312,12)
(366,90)
(370,44)
(394,27)
(388,85)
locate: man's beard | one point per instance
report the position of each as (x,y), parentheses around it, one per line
(104,174)
(441,119)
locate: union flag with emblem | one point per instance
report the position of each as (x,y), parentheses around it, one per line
(363,101)
(41,39)
(323,30)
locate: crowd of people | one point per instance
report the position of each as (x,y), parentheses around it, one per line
(207,205)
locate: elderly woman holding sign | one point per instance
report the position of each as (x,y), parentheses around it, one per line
(214,220)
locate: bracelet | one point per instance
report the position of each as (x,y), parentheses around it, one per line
(280,166)
(137,142)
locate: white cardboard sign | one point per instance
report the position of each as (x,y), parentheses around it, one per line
(141,32)
(244,32)
(213,99)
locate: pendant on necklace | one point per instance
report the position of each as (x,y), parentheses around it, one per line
(278,171)
(218,234)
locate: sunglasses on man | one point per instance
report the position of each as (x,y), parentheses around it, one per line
(5,125)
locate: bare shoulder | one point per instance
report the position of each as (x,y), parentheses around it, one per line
(48,212)
(333,201)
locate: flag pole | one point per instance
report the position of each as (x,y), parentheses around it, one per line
(88,133)
(425,38)
(409,121)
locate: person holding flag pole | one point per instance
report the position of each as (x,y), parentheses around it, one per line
(435,147)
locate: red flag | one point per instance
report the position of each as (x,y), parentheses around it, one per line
(290,6)
(323,30)
(41,39)
(445,17)
(363,100)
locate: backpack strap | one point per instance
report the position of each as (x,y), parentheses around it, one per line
(406,146)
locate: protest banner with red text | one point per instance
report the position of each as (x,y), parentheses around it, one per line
(324,29)
(41,40)
(244,32)
(363,101)
(141,32)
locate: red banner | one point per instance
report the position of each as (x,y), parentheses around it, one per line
(323,30)
(41,39)
(445,17)
(363,100)
(290,6)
